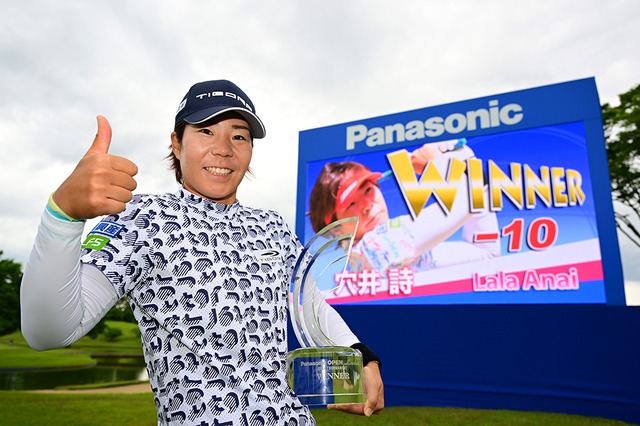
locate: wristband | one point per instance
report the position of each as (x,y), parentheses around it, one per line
(57,212)
(367,355)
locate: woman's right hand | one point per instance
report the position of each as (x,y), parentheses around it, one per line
(101,183)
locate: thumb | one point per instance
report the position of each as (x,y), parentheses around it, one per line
(102,140)
(368,409)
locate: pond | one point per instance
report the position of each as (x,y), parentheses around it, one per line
(115,370)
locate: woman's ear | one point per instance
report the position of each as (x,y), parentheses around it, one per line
(175,145)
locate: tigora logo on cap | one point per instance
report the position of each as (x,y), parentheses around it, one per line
(209,99)
(229,95)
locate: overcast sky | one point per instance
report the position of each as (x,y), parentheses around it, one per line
(303,65)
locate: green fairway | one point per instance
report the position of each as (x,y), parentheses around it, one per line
(22,408)
(16,353)
(14,356)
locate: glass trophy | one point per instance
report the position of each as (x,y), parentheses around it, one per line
(321,373)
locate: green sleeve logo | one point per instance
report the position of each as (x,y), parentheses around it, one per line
(95,242)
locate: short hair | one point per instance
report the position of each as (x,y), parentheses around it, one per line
(322,201)
(175,163)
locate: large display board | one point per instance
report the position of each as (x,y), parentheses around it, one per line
(503,199)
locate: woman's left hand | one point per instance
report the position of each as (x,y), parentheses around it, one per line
(373,387)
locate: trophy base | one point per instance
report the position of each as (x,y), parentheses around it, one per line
(326,375)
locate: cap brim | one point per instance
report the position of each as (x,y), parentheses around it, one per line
(258,130)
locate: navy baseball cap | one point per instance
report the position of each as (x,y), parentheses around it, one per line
(208,99)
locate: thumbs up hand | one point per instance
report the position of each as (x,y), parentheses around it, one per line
(101,183)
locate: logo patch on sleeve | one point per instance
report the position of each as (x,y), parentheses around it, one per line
(101,234)
(268,256)
(95,242)
(110,229)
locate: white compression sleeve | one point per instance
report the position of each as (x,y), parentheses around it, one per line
(337,330)
(61,299)
(329,320)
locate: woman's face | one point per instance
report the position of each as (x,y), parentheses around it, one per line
(369,206)
(214,158)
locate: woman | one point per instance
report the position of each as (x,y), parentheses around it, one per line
(211,309)
(349,189)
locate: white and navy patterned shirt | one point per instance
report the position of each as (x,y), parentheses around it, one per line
(208,284)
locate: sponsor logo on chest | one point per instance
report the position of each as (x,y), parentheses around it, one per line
(268,256)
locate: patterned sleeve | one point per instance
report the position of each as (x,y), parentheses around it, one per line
(120,245)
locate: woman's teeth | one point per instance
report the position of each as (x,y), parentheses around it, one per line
(218,171)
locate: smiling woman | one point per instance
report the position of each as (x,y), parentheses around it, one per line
(213,156)
(207,278)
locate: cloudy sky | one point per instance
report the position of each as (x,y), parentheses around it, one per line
(303,65)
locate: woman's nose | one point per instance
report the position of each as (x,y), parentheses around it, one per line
(222,146)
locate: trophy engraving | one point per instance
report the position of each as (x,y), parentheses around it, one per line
(320,372)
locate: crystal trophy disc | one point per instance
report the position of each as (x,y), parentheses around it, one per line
(321,373)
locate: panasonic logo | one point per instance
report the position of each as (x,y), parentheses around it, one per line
(483,118)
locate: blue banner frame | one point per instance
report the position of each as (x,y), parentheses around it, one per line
(566,107)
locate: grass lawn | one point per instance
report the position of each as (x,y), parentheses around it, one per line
(13,356)
(25,408)
(21,408)
(16,353)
